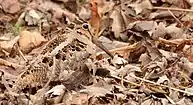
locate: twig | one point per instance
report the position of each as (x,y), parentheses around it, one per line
(179,90)
(172,101)
(175,17)
(173,9)
(21,54)
(124,80)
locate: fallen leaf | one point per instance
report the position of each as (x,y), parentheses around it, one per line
(29,40)
(140,6)
(80,99)
(33,17)
(145,59)
(119,60)
(159,31)
(9,64)
(163,79)
(57,11)
(84,13)
(7,46)
(56,93)
(182,101)
(144,25)
(190,90)
(99,89)
(104,6)
(10,6)
(118,24)
(186,65)
(147,102)
(95,18)
(175,32)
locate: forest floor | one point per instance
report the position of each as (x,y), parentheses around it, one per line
(94,52)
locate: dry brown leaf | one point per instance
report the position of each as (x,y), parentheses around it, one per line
(56,10)
(160,15)
(96,91)
(99,89)
(189,90)
(29,40)
(95,18)
(182,101)
(56,93)
(186,65)
(159,31)
(84,12)
(7,46)
(175,32)
(104,6)
(64,1)
(144,25)
(9,64)
(118,24)
(10,6)
(140,6)
(145,59)
(119,60)
(80,99)
(163,79)
(75,98)
(147,102)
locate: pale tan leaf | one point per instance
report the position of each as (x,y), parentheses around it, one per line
(29,40)
(118,24)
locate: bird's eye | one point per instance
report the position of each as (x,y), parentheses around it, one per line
(96,3)
(85,26)
(90,4)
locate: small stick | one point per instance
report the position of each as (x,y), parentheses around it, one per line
(21,54)
(171,101)
(148,81)
(175,17)
(124,80)
(173,9)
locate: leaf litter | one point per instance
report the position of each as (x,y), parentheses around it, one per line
(90,52)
